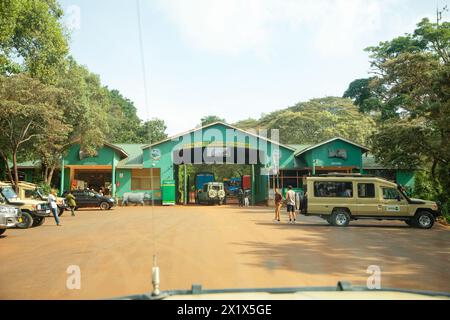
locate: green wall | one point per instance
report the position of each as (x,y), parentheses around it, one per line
(123,176)
(105,157)
(354,155)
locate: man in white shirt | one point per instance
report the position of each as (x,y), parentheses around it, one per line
(290,204)
(53,206)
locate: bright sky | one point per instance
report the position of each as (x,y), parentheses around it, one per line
(232,58)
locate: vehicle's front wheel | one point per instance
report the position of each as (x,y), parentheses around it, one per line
(27,221)
(2,231)
(340,218)
(104,206)
(60,211)
(38,221)
(423,220)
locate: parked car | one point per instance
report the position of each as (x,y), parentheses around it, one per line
(29,190)
(212,192)
(91,199)
(9,217)
(342,198)
(33,211)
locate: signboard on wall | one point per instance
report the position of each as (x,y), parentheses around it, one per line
(218,152)
(338,153)
(83,154)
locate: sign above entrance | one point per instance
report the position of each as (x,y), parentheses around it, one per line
(338,153)
(83,154)
(218,152)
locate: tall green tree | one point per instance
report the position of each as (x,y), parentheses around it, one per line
(124,124)
(32,38)
(29,113)
(320,119)
(84,106)
(210,119)
(410,95)
(153,130)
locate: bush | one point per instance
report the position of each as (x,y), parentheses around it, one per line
(46,188)
(426,189)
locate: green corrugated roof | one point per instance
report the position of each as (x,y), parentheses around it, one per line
(134,151)
(27,164)
(299,147)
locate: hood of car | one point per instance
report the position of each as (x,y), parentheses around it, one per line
(25,201)
(421,201)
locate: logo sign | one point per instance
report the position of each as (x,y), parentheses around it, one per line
(217,152)
(83,154)
(393,208)
(338,153)
(156,154)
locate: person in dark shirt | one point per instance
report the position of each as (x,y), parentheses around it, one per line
(278,204)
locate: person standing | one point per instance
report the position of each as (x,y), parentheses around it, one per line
(53,206)
(290,204)
(70,199)
(241,197)
(278,204)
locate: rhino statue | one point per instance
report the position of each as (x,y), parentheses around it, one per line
(137,198)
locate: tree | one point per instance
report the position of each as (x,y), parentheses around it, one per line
(124,124)
(246,124)
(29,114)
(153,130)
(318,120)
(84,105)
(32,38)
(410,94)
(210,119)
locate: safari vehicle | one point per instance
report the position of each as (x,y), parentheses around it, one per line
(9,217)
(212,192)
(29,190)
(33,211)
(342,198)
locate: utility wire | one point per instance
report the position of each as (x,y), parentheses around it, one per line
(144,76)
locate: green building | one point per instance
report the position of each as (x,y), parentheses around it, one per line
(155,167)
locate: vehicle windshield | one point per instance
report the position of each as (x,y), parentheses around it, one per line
(230,143)
(9,193)
(40,193)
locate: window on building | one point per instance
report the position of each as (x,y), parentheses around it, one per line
(146,179)
(333,189)
(366,190)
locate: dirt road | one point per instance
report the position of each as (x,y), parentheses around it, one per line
(218,247)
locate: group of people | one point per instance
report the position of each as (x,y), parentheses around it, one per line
(290,204)
(244,197)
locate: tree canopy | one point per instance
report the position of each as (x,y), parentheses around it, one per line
(32,38)
(210,119)
(315,121)
(409,94)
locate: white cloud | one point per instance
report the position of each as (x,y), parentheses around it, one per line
(235,26)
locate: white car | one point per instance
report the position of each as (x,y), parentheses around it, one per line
(9,217)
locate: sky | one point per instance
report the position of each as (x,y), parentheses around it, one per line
(232,58)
